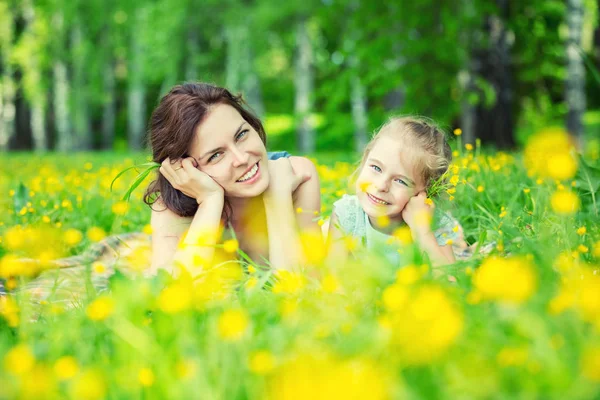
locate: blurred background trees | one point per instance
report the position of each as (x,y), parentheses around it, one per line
(83,75)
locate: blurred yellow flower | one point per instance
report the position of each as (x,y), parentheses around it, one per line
(73,237)
(120,208)
(96,234)
(314,247)
(590,363)
(512,356)
(175,298)
(261,362)
(329,283)
(9,309)
(230,246)
(511,279)
(394,297)
(232,324)
(549,154)
(457,131)
(66,367)
(581,230)
(288,282)
(90,385)
(480,189)
(101,308)
(146,377)
(565,202)
(329,378)
(469,146)
(403,234)
(19,360)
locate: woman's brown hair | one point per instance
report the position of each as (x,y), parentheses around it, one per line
(172,129)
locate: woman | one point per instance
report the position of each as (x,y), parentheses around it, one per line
(215,171)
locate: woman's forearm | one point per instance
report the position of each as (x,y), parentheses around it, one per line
(197,248)
(284,240)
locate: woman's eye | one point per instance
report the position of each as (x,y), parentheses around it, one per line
(376,168)
(214,156)
(242,134)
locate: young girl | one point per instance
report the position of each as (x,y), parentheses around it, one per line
(400,163)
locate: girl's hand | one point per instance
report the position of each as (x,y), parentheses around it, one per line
(417,214)
(184,176)
(283,181)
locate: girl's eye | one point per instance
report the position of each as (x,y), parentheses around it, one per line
(401,182)
(242,134)
(214,156)
(376,168)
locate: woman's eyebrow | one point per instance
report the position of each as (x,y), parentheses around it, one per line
(221,148)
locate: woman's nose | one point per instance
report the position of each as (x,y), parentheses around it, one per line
(239,157)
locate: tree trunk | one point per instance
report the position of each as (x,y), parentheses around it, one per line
(359,113)
(234,61)
(496,124)
(109,111)
(136,99)
(64,139)
(304,89)
(575,83)
(7,85)
(192,50)
(468,109)
(81,129)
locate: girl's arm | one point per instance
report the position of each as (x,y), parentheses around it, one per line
(439,255)
(417,215)
(337,249)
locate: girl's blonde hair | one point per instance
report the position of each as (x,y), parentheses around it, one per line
(432,154)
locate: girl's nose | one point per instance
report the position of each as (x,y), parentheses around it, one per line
(239,157)
(381,184)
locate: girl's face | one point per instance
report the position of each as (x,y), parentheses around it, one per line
(387,180)
(230,151)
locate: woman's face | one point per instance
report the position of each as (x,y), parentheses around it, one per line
(230,151)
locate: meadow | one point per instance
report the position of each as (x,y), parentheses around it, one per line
(522,322)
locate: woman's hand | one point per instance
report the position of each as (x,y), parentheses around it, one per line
(418,214)
(184,176)
(283,181)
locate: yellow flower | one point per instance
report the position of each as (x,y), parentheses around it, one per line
(561,166)
(314,247)
(511,280)
(19,360)
(330,378)
(590,363)
(299,210)
(458,131)
(582,249)
(147,229)
(98,267)
(8,307)
(394,297)
(288,282)
(512,356)
(120,208)
(89,386)
(480,188)
(383,221)
(232,324)
(231,246)
(403,234)
(565,202)
(146,377)
(426,326)
(469,146)
(329,283)
(95,234)
(454,180)
(175,298)
(66,367)
(261,362)
(581,231)
(526,190)
(101,308)
(73,237)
